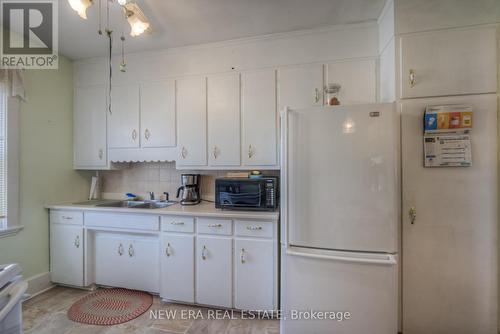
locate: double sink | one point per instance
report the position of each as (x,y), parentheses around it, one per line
(137,204)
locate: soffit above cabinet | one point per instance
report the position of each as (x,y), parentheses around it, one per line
(220,21)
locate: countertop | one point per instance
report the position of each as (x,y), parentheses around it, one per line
(204,209)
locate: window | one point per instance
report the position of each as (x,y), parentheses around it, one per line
(9,162)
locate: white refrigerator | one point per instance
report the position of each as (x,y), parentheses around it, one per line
(340,200)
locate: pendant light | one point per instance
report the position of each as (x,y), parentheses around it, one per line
(80,6)
(136,18)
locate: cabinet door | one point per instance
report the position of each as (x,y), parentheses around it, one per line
(124,117)
(454,233)
(158,114)
(449,62)
(358,81)
(213,271)
(66,254)
(177,268)
(90,127)
(254,274)
(110,260)
(223,119)
(300,86)
(192,121)
(259,118)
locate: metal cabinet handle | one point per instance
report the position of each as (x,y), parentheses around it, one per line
(120,250)
(130,250)
(216,152)
(242,255)
(413,214)
(215,225)
(250,151)
(412,78)
(77,241)
(203,253)
(184,152)
(67,218)
(254,228)
(167,250)
(134,135)
(177,223)
(101,154)
(316,96)
(147,134)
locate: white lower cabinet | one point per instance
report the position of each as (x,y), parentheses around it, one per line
(213,271)
(66,254)
(177,267)
(127,261)
(254,272)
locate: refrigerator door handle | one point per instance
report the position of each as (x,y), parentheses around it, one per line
(381,259)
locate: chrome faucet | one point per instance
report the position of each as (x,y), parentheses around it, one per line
(151,195)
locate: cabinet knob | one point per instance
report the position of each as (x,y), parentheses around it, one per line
(254,228)
(77,241)
(120,250)
(316,95)
(250,152)
(413,214)
(214,225)
(242,255)
(216,152)
(147,134)
(412,78)
(184,152)
(130,250)
(167,250)
(134,135)
(101,154)
(176,223)
(204,253)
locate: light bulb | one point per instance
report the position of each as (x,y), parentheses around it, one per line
(123,2)
(138,26)
(80,6)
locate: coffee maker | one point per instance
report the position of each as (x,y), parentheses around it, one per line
(189,191)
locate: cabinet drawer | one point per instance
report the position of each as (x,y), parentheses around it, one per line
(177,224)
(123,220)
(66,217)
(250,228)
(214,226)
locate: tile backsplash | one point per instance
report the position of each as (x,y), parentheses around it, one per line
(158,177)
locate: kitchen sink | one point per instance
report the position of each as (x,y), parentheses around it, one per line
(137,204)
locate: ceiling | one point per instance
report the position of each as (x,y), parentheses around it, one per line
(188,22)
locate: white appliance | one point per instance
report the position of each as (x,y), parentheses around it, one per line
(12,289)
(340,213)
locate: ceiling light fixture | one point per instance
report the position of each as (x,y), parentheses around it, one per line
(137,20)
(80,6)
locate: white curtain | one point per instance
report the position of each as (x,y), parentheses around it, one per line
(14,82)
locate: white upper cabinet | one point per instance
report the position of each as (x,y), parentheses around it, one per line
(192,121)
(259,118)
(358,81)
(158,114)
(449,62)
(223,109)
(90,147)
(124,117)
(300,86)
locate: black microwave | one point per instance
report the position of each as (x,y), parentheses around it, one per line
(247,193)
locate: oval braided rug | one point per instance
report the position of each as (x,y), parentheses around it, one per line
(110,307)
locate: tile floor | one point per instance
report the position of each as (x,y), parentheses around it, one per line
(46,314)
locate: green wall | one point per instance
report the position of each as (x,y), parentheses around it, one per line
(46,160)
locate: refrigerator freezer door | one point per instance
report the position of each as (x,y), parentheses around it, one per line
(341,175)
(319,281)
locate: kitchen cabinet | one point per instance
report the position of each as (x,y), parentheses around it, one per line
(158,114)
(123,259)
(259,118)
(450,246)
(177,267)
(66,253)
(124,117)
(223,110)
(213,271)
(301,86)
(358,81)
(192,121)
(90,132)
(254,269)
(439,63)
